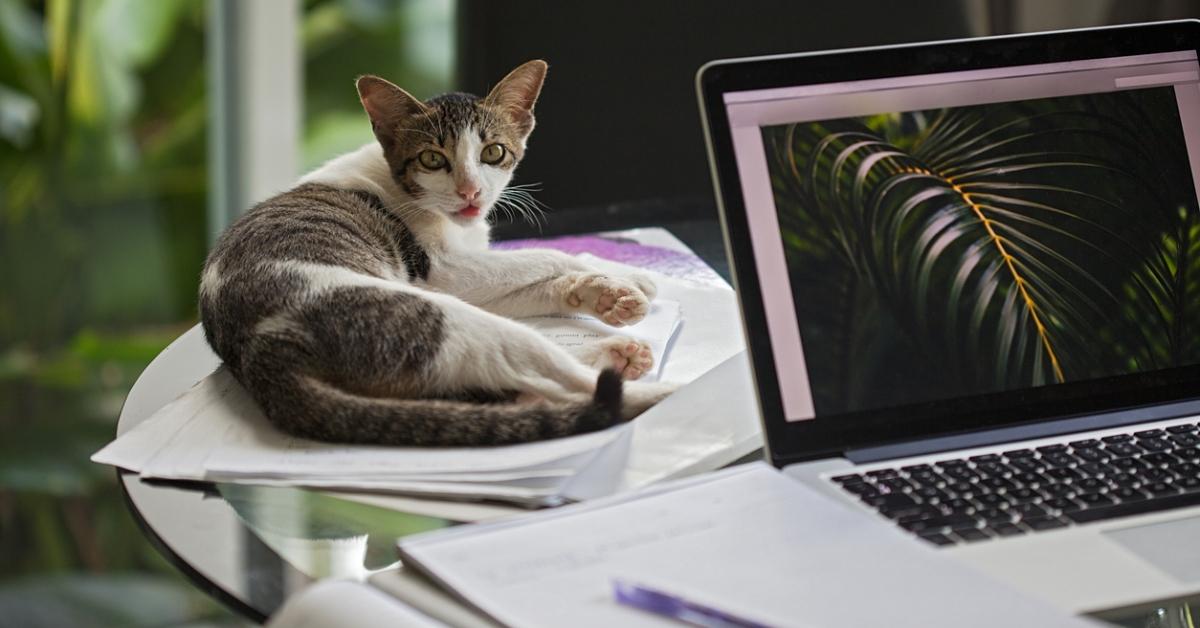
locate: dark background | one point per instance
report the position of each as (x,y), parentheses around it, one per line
(619,141)
(618,124)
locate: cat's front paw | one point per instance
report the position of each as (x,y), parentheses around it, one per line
(617,301)
(631,358)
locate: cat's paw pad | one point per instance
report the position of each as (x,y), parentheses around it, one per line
(614,300)
(631,358)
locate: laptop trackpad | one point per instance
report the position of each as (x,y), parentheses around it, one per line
(1172,546)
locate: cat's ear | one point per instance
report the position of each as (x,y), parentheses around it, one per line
(386,105)
(517,92)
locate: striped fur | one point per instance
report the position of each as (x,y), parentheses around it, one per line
(364,305)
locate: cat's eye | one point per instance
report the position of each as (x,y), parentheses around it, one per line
(432,159)
(492,154)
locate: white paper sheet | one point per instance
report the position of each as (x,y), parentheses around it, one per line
(748,541)
(332,604)
(657,330)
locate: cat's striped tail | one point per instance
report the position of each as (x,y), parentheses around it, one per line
(309,408)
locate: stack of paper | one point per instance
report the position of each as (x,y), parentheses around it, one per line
(216,432)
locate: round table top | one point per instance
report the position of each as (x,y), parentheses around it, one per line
(251,547)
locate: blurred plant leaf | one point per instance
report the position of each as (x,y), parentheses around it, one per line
(83,601)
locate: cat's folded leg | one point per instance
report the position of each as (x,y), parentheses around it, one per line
(631,358)
(533,282)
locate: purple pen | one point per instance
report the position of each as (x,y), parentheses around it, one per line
(668,605)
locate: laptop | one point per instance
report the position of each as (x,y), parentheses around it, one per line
(969,273)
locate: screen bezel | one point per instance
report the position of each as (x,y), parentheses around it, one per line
(790,441)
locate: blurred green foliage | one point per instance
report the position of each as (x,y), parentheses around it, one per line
(103,193)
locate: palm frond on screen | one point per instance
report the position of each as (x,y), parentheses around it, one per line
(1013,246)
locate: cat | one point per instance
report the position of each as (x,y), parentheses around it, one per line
(364,305)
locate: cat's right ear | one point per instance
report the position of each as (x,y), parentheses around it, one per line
(387,106)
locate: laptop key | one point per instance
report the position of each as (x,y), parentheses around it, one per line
(852,478)
(1004,529)
(1029,479)
(1091,500)
(1090,455)
(881,474)
(985,458)
(1187,469)
(861,489)
(1189,484)
(997,484)
(1160,459)
(1155,475)
(1191,454)
(1126,464)
(1185,440)
(994,515)
(952,522)
(960,473)
(988,469)
(1087,469)
(895,485)
(920,513)
(1028,511)
(1181,429)
(992,500)
(925,478)
(1057,490)
(971,536)
(1026,465)
(1084,444)
(1160,489)
(1047,523)
(1123,450)
(926,493)
(1135,508)
(1124,479)
(914,512)
(1022,495)
(1117,438)
(1155,444)
(938,539)
(961,489)
(1062,504)
(1126,494)
(1149,434)
(1019,453)
(890,500)
(1059,460)
(957,506)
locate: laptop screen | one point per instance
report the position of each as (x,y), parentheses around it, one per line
(941,236)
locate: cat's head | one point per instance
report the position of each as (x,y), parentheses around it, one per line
(455,153)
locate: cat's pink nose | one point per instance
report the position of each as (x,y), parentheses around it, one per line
(469,193)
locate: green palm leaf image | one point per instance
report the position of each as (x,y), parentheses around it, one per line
(989,248)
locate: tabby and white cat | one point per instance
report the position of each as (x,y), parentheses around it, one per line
(364,305)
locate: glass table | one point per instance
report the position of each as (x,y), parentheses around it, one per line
(251,547)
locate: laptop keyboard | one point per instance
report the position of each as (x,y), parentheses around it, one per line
(1022,491)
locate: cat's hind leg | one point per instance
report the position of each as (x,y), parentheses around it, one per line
(629,357)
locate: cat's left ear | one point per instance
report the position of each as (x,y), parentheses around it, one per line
(518,92)
(387,106)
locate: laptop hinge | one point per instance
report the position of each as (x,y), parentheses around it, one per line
(1042,429)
